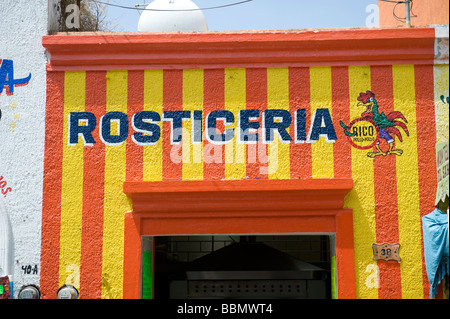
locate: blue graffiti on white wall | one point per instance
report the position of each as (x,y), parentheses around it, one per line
(7,80)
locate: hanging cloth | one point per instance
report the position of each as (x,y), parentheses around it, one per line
(436,247)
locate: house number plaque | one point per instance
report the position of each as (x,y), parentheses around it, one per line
(386,252)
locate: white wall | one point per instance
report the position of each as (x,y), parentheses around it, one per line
(22,25)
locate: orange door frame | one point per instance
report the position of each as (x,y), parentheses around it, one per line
(239,207)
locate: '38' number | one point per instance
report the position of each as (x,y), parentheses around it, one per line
(385,252)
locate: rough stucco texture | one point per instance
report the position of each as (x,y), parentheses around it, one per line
(22,25)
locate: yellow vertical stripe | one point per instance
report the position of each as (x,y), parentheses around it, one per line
(409,222)
(278,98)
(235,100)
(72,184)
(192,100)
(321,97)
(116,203)
(441,85)
(361,198)
(153,101)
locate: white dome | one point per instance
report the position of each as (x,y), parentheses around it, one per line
(160,21)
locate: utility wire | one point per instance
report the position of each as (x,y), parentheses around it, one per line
(392,1)
(395,7)
(145,9)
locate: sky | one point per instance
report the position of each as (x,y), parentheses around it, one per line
(262,14)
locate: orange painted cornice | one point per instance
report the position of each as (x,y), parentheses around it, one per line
(338,47)
(237,196)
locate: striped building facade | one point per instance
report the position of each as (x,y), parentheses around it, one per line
(99,90)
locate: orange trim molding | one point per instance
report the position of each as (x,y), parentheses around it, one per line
(261,197)
(212,50)
(241,207)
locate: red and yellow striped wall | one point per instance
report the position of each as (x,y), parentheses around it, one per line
(84,204)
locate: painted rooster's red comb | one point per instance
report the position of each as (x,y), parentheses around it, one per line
(365,96)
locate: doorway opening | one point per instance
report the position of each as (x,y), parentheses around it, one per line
(275,266)
(252,207)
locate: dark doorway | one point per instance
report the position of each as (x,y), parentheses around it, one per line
(238,267)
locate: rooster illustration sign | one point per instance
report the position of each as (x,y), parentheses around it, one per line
(372,127)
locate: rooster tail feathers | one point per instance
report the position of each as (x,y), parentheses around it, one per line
(396,115)
(394,130)
(402,125)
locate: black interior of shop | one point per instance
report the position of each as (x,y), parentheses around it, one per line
(242,267)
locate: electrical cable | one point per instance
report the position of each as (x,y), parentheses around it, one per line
(393,1)
(202,9)
(396,17)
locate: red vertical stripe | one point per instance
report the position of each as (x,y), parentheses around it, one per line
(256,99)
(214,99)
(172,101)
(93,193)
(132,257)
(426,151)
(341,112)
(134,158)
(385,182)
(299,98)
(51,206)
(135,152)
